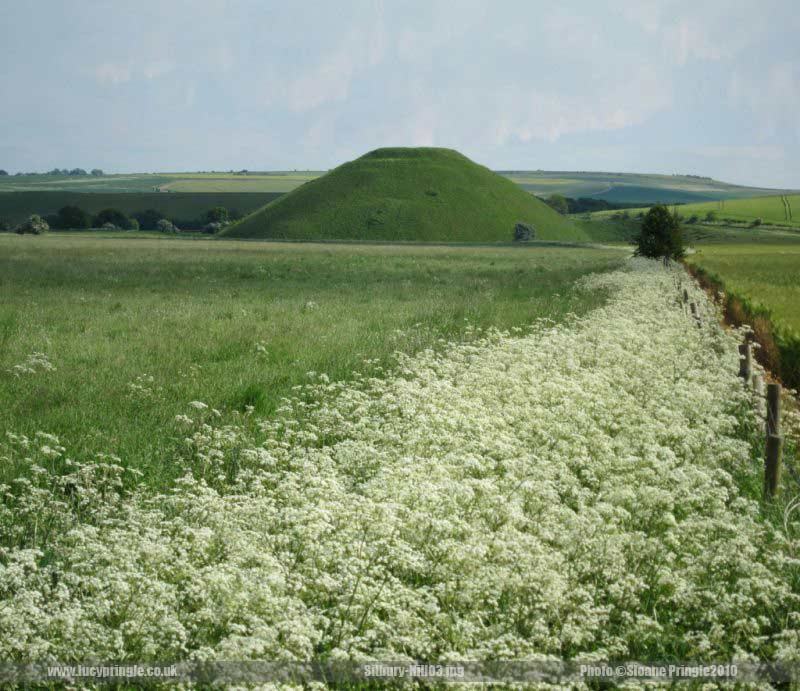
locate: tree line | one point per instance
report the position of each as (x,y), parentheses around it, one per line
(72,172)
(72,217)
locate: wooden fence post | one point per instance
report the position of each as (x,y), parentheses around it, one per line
(695,313)
(745,361)
(772,465)
(773,409)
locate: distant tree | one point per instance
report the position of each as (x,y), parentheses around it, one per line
(33,225)
(694,218)
(78,171)
(219,214)
(96,171)
(148,219)
(3,172)
(661,235)
(711,216)
(113,216)
(5,225)
(558,202)
(72,217)
(133,224)
(108,226)
(757,222)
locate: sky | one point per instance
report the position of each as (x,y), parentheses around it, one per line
(706,87)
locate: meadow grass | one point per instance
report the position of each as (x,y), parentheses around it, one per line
(136,328)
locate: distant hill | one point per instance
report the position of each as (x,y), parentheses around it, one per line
(633,188)
(411,194)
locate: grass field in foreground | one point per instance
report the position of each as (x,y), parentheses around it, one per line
(138,328)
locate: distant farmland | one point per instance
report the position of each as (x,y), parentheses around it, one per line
(632,188)
(774,209)
(15,206)
(620,188)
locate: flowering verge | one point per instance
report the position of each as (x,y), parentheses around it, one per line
(571,491)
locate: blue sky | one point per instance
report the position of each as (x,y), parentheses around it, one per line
(709,87)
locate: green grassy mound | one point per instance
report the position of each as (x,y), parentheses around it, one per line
(423,194)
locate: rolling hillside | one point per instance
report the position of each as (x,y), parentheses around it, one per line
(632,188)
(410,194)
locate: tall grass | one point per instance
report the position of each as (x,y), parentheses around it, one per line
(136,328)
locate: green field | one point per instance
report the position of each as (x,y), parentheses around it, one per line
(271,182)
(138,328)
(781,210)
(421,194)
(211,182)
(16,206)
(761,279)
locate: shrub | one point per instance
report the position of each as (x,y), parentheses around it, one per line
(5,225)
(113,216)
(711,216)
(524,232)
(164,225)
(757,222)
(694,218)
(109,226)
(3,172)
(96,171)
(661,235)
(148,219)
(33,225)
(72,217)
(213,228)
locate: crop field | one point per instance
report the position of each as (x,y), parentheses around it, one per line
(17,206)
(550,490)
(764,279)
(137,328)
(782,210)
(268,182)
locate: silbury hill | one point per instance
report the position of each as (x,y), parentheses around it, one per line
(407,194)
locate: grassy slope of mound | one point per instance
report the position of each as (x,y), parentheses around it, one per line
(423,194)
